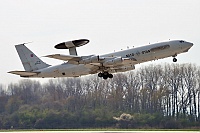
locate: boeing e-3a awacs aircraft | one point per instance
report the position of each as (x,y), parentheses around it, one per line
(104,65)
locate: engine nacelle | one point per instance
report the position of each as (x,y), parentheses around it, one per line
(124,69)
(127,68)
(113,62)
(92,59)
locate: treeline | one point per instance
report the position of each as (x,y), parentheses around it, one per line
(155,96)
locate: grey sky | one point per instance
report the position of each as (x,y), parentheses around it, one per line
(108,24)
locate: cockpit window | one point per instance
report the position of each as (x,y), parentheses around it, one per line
(181,41)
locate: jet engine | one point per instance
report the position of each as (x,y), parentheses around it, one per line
(126,68)
(92,59)
(123,68)
(113,61)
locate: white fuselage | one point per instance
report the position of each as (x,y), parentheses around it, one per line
(140,54)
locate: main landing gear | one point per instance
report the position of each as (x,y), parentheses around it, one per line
(105,75)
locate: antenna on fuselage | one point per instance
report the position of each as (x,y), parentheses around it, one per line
(27,43)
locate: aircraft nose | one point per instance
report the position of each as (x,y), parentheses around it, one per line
(190,44)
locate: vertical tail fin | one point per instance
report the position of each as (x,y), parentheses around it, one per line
(29,60)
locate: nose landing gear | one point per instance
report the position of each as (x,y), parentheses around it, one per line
(174,59)
(105,75)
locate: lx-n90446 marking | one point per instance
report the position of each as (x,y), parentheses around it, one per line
(104,65)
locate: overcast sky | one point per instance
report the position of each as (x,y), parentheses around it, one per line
(108,24)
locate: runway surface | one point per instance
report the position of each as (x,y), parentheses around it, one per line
(101,132)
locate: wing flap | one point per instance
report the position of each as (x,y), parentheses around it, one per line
(23,73)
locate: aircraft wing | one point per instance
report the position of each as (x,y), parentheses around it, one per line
(65,57)
(112,64)
(23,73)
(94,60)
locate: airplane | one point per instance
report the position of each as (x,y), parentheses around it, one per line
(104,65)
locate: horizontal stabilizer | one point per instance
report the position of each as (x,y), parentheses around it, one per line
(23,73)
(65,57)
